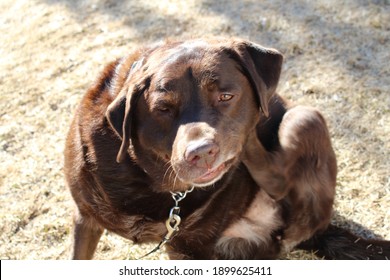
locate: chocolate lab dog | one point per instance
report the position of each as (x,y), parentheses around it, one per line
(187,144)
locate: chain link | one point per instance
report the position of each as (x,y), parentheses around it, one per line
(173,221)
(179,196)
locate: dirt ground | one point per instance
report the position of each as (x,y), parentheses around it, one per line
(336,59)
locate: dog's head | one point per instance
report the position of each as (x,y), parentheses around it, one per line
(186,108)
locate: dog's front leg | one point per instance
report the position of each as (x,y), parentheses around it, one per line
(87,234)
(265,168)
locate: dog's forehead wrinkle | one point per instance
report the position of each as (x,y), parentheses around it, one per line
(169,78)
(165,84)
(194,61)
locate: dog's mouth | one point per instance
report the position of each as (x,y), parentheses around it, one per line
(212,175)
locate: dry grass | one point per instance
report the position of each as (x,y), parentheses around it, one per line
(337,59)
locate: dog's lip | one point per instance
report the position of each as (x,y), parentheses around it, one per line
(212,174)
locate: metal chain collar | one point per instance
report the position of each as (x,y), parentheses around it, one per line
(173,221)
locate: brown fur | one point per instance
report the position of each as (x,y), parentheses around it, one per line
(200,113)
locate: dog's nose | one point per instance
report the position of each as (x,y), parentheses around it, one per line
(201,153)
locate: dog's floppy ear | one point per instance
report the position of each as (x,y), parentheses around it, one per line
(262,66)
(120,112)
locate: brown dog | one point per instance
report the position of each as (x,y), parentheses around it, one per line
(203,114)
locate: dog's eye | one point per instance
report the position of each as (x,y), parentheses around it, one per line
(225,97)
(164,110)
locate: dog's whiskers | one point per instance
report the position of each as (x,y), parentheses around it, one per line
(168,168)
(169,172)
(174,180)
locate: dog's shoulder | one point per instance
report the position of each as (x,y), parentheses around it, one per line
(107,86)
(92,145)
